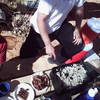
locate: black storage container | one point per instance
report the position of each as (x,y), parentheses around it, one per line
(68,77)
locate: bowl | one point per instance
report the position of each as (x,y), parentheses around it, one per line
(40,82)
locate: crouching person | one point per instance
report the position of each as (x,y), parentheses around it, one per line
(3,49)
(89,32)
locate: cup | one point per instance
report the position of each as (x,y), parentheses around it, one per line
(4,88)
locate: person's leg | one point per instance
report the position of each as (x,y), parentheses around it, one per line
(32,45)
(3,49)
(65,37)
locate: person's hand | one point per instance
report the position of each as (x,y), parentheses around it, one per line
(50,51)
(76,36)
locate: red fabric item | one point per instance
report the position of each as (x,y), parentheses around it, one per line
(87,34)
(76,57)
(3,49)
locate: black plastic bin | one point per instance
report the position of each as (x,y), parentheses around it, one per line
(59,84)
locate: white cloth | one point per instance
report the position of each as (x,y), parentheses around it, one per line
(94,24)
(88,47)
(57,11)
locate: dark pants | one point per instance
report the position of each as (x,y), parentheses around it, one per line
(64,35)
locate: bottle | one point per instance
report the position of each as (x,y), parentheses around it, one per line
(90,95)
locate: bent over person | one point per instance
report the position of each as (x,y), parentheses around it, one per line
(48,24)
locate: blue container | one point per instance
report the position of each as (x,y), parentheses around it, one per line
(4,88)
(84,97)
(90,95)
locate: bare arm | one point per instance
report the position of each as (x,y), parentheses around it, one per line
(41,19)
(42,28)
(79,17)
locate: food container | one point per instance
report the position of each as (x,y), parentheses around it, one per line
(40,82)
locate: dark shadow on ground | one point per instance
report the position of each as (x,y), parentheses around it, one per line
(91,9)
(16,68)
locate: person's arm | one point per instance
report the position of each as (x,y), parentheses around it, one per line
(41,21)
(79,16)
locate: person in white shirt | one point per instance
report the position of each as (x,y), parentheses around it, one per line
(48,24)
